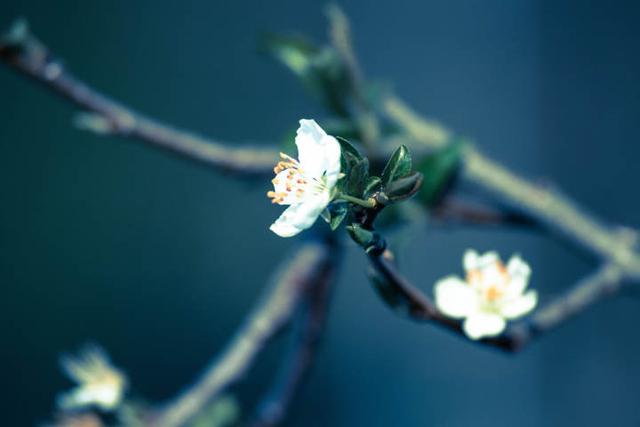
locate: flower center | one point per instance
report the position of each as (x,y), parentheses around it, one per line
(291,185)
(491,283)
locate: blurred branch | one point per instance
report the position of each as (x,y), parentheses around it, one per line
(23,52)
(533,204)
(457,211)
(543,205)
(273,408)
(605,281)
(310,265)
(340,35)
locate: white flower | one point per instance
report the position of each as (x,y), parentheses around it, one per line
(76,420)
(491,294)
(99,382)
(307,184)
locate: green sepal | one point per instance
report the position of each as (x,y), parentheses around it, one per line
(337,213)
(399,165)
(361,236)
(369,240)
(439,170)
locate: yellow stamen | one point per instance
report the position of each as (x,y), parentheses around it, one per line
(493,293)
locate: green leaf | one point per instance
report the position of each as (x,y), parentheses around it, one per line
(320,69)
(373,185)
(338,212)
(399,165)
(355,167)
(357,179)
(347,148)
(439,169)
(294,51)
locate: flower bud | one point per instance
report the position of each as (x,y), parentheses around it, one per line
(405,187)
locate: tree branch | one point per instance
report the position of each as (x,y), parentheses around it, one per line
(310,265)
(23,52)
(605,281)
(340,35)
(273,408)
(456,211)
(544,205)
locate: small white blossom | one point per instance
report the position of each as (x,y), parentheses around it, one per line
(99,382)
(76,420)
(490,295)
(307,184)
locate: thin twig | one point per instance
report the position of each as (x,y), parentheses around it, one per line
(273,408)
(23,52)
(456,211)
(310,263)
(605,281)
(544,205)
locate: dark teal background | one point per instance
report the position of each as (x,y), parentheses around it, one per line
(159,259)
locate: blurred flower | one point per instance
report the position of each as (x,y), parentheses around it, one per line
(77,420)
(99,382)
(491,294)
(306,184)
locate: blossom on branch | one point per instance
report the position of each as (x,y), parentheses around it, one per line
(490,295)
(99,382)
(307,184)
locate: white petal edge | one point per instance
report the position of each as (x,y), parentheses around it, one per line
(519,271)
(311,142)
(470,259)
(332,160)
(482,324)
(300,216)
(520,306)
(454,297)
(105,397)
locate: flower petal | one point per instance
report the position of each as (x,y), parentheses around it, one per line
(318,152)
(482,324)
(454,297)
(520,306)
(472,260)
(519,271)
(300,216)
(332,161)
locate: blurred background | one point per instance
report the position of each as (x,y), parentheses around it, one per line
(159,259)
